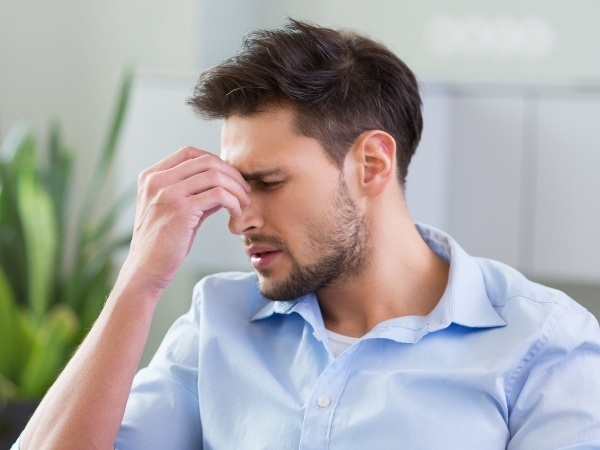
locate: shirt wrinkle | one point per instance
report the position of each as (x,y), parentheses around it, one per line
(481,385)
(534,350)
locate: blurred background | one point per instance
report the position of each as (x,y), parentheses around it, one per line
(511,149)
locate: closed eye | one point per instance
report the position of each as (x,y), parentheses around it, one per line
(277,177)
(268,185)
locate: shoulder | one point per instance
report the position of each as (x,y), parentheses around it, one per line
(233,281)
(553,344)
(229,292)
(506,285)
(549,317)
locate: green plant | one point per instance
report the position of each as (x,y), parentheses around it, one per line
(53,282)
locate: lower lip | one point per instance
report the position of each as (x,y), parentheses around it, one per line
(259,262)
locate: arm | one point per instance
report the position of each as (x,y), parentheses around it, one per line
(557,402)
(84,408)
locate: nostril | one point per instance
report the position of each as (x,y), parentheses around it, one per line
(239,225)
(249,220)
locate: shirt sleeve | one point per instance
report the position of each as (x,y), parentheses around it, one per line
(558,403)
(163,409)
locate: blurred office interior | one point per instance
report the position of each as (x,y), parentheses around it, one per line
(511,146)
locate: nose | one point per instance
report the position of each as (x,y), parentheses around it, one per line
(249,220)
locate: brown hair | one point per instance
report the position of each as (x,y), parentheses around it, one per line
(338,84)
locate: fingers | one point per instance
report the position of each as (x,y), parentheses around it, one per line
(213,199)
(198,176)
(174,159)
(175,196)
(189,161)
(213,184)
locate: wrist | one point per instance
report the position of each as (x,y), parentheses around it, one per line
(138,285)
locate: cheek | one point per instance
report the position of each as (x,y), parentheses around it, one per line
(298,212)
(309,225)
(287,219)
(295,219)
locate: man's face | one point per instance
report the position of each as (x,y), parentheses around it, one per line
(302,229)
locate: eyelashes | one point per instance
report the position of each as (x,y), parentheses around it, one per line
(268,185)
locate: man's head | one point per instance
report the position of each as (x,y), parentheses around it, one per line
(303,228)
(337,84)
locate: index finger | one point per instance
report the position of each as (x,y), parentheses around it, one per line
(207,160)
(212,161)
(176,158)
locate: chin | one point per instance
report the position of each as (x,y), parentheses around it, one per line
(267,287)
(272,290)
(283,290)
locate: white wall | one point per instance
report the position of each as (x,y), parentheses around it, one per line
(64,59)
(509,40)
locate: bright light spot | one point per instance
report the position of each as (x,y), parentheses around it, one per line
(501,37)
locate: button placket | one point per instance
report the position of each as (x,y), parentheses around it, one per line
(322,403)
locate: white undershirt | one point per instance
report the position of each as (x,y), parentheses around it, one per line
(338,343)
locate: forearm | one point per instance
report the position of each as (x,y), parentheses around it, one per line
(85,406)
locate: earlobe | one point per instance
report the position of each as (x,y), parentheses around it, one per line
(375,153)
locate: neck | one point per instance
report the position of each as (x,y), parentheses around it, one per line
(404,277)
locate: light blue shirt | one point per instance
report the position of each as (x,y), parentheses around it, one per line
(501,362)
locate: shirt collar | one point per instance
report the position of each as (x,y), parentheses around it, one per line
(464,302)
(286,307)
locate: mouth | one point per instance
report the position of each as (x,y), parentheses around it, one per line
(261,257)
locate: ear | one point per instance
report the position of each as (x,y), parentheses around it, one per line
(374,157)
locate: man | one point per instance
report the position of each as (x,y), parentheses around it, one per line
(357,328)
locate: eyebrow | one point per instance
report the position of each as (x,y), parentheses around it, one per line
(260,174)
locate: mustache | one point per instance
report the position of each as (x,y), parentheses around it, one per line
(265,239)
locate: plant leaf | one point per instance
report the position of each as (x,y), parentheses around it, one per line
(52,342)
(9,333)
(8,389)
(15,338)
(107,154)
(58,176)
(78,286)
(103,230)
(110,145)
(40,235)
(20,145)
(38,329)
(13,141)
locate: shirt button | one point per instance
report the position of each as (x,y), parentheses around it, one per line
(323,402)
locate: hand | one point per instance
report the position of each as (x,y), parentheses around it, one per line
(174,197)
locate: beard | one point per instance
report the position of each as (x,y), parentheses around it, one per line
(339,241)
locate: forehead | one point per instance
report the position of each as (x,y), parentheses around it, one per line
(268,140)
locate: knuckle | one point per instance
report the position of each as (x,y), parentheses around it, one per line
(167,196)
(213,175)
(143,176)
(152,182)
(219,192)
(189,152)
(162,196)
(209,159)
